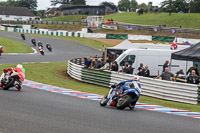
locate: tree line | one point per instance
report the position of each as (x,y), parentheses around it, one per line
(186,6)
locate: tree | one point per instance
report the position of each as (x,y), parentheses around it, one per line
(55,2)
(75,2)
(195,6)
(109,4)
(78,2)
(174,6)
(124,5)
(133,5)
(41,13)
(30,4)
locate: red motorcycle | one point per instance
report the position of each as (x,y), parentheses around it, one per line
(10,78)
(1,50)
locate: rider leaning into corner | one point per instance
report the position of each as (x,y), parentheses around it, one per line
(21,71)
(126,85)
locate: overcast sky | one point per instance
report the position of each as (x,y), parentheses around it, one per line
(44,4)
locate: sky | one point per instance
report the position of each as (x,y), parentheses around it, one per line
(44,4)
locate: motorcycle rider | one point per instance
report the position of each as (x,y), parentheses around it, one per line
(48,46)
(126,85)
(19,69)
(23,36)
(40,44)
(33,41)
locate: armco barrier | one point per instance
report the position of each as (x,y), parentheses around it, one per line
(167,90)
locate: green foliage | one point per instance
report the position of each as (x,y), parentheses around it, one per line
(186,20)
(174,6)
(124,5)
(41,13)
(133,5)
(75,2)
(30,4)
(12,46)
(195,6)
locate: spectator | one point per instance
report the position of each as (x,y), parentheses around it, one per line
(126,68)
(114,66)
(141,72)
(166,75)
(86,62)
(146,72)
(195,67)
(112,22)
(141,66)
(193,78)
(99,64)
(93,62)
(165,65)
(130,69)
(179,72)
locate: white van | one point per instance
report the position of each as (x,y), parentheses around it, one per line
(154,58)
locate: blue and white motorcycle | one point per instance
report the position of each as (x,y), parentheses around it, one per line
(122,95)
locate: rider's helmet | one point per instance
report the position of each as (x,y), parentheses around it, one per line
(19,66)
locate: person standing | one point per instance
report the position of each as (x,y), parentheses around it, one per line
(165,65)
(193,78)
(146,71)
(166,75)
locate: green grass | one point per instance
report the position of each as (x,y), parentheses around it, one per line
(55,74)
(68,18)
(186,20)
(12,46)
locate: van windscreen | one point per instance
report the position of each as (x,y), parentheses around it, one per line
(130,59)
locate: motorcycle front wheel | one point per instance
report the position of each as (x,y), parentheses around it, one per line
(103,100)
(10,84)
(123,102)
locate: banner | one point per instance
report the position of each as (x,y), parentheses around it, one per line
(129,27)
(162,39)
(111,27)
(117,36)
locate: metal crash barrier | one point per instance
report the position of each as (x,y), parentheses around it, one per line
(167,90)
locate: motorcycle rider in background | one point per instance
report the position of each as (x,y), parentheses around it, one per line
(20,70)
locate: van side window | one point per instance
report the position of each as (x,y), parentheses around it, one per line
(129,58)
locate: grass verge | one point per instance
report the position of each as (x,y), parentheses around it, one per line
(55,74)
(68,18)
(12,46)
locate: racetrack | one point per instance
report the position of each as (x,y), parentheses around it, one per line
(37,111)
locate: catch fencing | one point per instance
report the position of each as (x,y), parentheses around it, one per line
(167,90)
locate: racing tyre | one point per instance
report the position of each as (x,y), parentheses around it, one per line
(123,102)
(10,84)
(103,100)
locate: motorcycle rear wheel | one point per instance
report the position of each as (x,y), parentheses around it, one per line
(103,100)
(10,84)
(123,102)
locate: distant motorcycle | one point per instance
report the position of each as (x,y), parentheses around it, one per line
(33,41)
(41,50)
(48,46)
(1,50)
(23,36)
(122,99)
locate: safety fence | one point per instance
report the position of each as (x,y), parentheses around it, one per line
(98,35)
(118,26)
(167,90)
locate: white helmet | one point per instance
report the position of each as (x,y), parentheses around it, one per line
(19,66)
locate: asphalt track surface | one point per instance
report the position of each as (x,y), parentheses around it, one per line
(38,111)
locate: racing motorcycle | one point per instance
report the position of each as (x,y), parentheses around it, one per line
(9,79)
(1,50)
(23,36)
(41,50)
(33,42)
(48,46)
(122,99)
